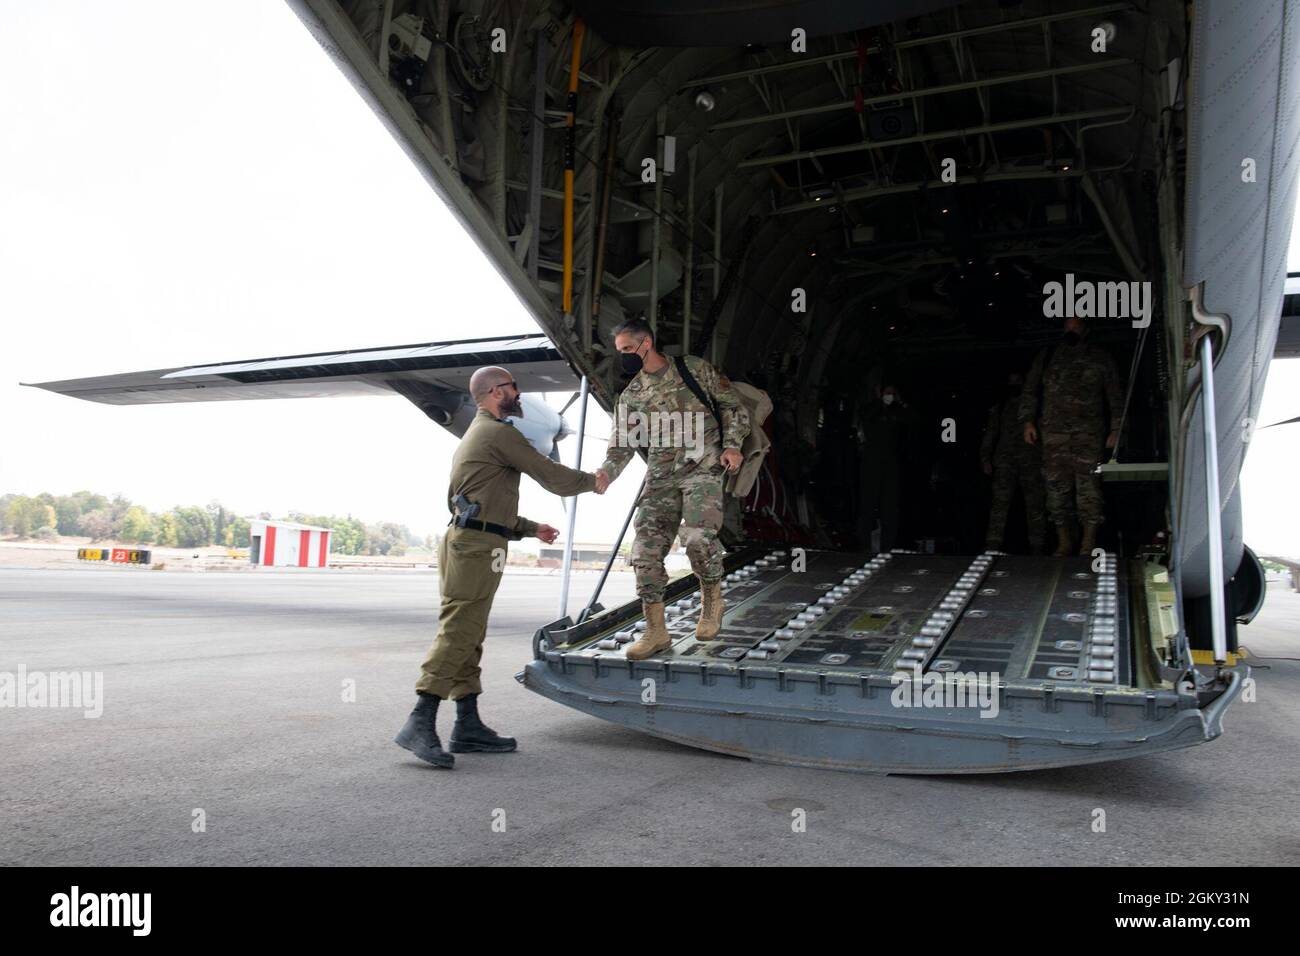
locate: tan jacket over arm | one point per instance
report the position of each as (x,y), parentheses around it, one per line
(735,416)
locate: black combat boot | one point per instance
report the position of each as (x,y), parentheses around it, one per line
(471,735)
(420,735)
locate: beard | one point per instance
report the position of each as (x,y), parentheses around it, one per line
(515,409)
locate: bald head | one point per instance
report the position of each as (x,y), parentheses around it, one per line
(494,390)
(484,380)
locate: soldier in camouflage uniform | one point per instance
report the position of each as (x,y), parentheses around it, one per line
(1072,399)
(687,459)
(1012,462)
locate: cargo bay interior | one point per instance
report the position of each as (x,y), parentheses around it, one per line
(823,212)
(864,205)
(831,180)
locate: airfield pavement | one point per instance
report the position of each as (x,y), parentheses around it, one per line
(224,693)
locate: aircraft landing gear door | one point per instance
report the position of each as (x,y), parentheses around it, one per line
(255,549)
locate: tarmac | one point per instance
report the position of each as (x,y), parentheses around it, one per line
(248,719)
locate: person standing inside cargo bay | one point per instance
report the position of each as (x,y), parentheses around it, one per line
(692,428)
(886,437)
(1072,400)
(1012,463)
(483,496)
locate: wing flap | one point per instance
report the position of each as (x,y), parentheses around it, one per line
(439,366)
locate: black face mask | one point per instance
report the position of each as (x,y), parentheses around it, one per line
(630,362)
(1072,338)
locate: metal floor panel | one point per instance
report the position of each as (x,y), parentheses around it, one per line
(1024,618)
(898,663)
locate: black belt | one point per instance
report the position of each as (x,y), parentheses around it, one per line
(475,525)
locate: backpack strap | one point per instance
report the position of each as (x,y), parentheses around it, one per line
(706,400)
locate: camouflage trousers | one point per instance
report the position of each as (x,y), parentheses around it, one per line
(691,504)
(1072,489)
(1025,473)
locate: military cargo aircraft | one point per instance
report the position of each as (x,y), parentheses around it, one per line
(821,197)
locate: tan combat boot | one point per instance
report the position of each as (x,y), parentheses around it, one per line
(655,638)
(1064,542)
(1089,539)
(710,611)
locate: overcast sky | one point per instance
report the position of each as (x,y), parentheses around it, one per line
(183,184)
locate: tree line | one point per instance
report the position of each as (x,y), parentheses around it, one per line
(101,518)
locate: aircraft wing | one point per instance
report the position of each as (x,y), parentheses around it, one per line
(434,376)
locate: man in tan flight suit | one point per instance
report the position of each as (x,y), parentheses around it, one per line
(483,496)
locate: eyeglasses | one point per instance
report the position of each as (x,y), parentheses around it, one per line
(512,383)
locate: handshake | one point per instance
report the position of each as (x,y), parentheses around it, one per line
(547,533)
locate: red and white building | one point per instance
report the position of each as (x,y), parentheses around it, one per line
(288,545)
